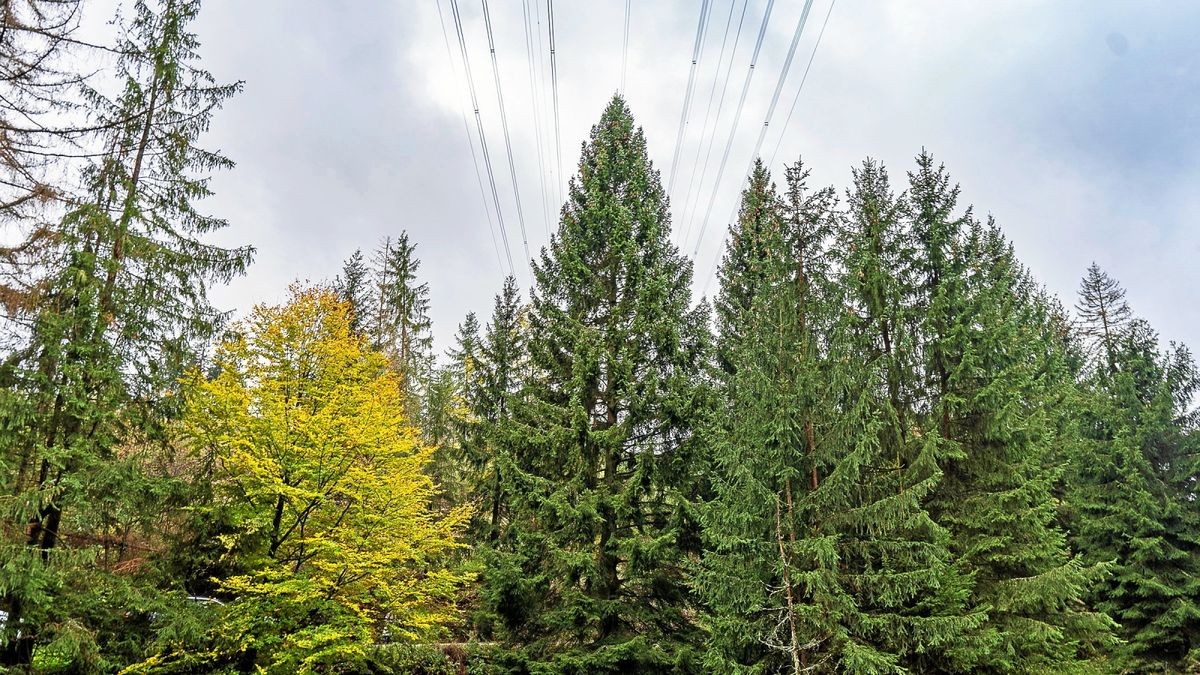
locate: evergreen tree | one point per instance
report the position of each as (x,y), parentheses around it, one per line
(351,286)
(400,326)
(741,272)
(990,379)
(491,393)
(122,312)
(589,576)
(1103,313)
(909,606)
(1131,482)
(770,573)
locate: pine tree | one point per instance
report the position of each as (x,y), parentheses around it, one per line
(990,379)
(1131,482)
(122,313)
(589,576)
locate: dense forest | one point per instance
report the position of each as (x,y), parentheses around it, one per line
(880,447)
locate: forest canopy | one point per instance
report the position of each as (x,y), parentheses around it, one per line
(881,446)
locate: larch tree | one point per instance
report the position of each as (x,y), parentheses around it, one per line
(590,572)
(122,311)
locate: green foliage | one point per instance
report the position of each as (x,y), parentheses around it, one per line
(589,573)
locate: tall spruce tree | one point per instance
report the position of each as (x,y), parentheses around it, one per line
(400,325)
(589,576)
(990,378)
(1131,492)
(122,313)
(770,572)
(909,607)
(741,271)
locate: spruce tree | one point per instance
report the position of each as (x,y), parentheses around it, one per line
(989,377)
(909,606)
(400,326)
(589,575)
(1131,482)
(351,287)
(123,311)
(770,572)
(741,272)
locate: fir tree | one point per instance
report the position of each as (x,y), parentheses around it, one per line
(123,312)
(1103,313)
(589,576)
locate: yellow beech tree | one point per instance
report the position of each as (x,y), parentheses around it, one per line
(320,477)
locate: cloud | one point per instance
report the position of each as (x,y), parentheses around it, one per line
(1074,123)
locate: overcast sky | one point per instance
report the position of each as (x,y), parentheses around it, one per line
(1076,124)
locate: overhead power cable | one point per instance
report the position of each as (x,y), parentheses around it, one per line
(512,167)
(795,39)
(471,145)
(711,94)
(625,45)
(531,52)
(737,116)
(690,208)
(554,87)
(487,160)
(701,29)
(803,79)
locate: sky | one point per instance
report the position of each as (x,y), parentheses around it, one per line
(1076,124)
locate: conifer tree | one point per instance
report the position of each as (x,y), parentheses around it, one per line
(1131,483)
(122,313)
(909,605)
(740,271)
(589,576)
(351,286)
(989,378)
(399,324)
(492,392)
(770,573)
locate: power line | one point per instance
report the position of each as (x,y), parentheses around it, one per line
(512,167)
(625,45)
(537,117)
(554,86)
(537,9)
(799,28)
(787,66)
(471,145)
(701,28)
(711,94)
(803,79)
(690,208)
(762,31)
(487,159)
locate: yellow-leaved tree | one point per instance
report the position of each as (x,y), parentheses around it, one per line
(319,476)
